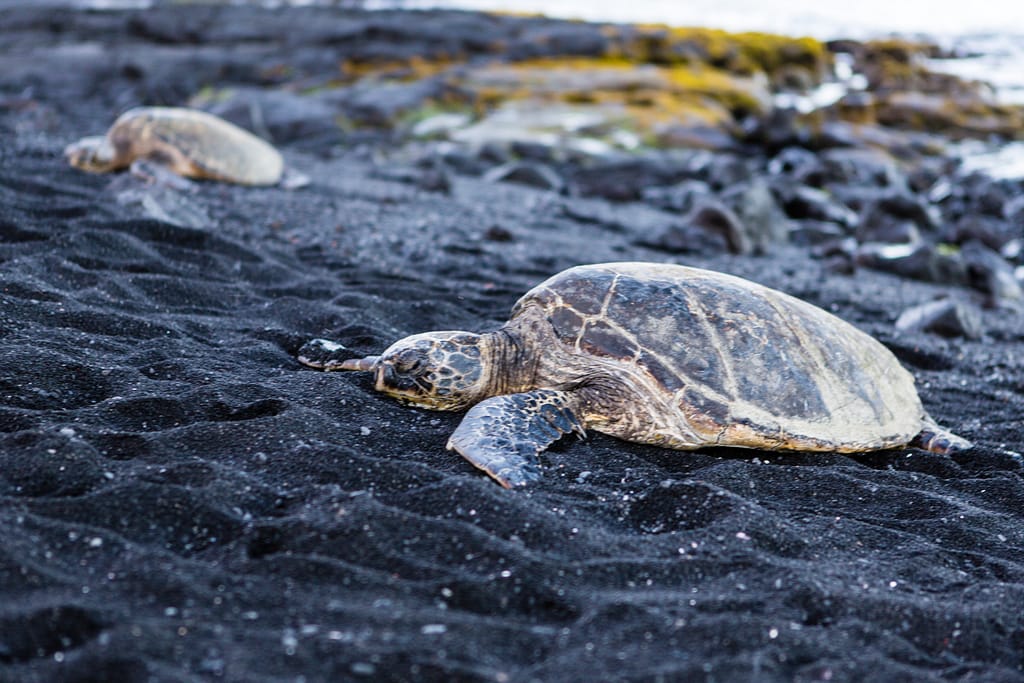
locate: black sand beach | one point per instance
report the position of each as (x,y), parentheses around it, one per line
(181,500)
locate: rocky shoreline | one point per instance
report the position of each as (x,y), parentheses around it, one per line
(183,501)
(690,122)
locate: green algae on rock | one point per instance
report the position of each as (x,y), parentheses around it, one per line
(674,87)
(906,92)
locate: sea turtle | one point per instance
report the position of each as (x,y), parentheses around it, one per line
(189,142)
(659,354)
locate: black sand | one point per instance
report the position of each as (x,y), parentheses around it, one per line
(180,500)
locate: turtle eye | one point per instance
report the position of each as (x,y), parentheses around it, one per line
(408,361)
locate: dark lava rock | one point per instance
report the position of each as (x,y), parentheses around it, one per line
(946,317)
(381,104)
(564,38)
(679,197)
(856,106)
(803,202)
(800,164)
(695,136)
(988,272)
(977,193)
(837,255)
(498,233)
(530,173)
(897,218)
(1013,211)
(990,196)
(278,115)
(864,166)
(463,160)
(435,179)
(855,197)
(888,231)
(532,151)
(721,170)
(921,262)
(780,128)
(843,246)
(625,178)
(993,232)
(714,217)
(762,220)
(925,174)
(493,153)
(429,177)
(686,239)
(811,232)
(434,176)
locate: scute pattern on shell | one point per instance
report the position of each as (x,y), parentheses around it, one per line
(737,358)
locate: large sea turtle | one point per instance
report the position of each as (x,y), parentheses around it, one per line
(189,142)
(658,354)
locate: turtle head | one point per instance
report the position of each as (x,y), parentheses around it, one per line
(435,370)
(94,154)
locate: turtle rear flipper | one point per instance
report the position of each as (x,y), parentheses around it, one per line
(503,435)
(153,172)
(938,440)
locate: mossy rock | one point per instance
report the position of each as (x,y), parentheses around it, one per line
(950,115)
(580,80)
(777,57)
(673,84)
(894,65)
(741,95)
(664,104)
(905,93)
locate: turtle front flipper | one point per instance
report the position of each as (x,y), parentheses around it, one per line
(327,355)
(503,435)
(938,440)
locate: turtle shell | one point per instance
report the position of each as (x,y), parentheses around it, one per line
(216,148)
(745,365)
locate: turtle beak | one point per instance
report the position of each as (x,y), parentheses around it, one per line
(368,364)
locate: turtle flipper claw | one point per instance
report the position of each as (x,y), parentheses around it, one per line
(323,354)
(503,435)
